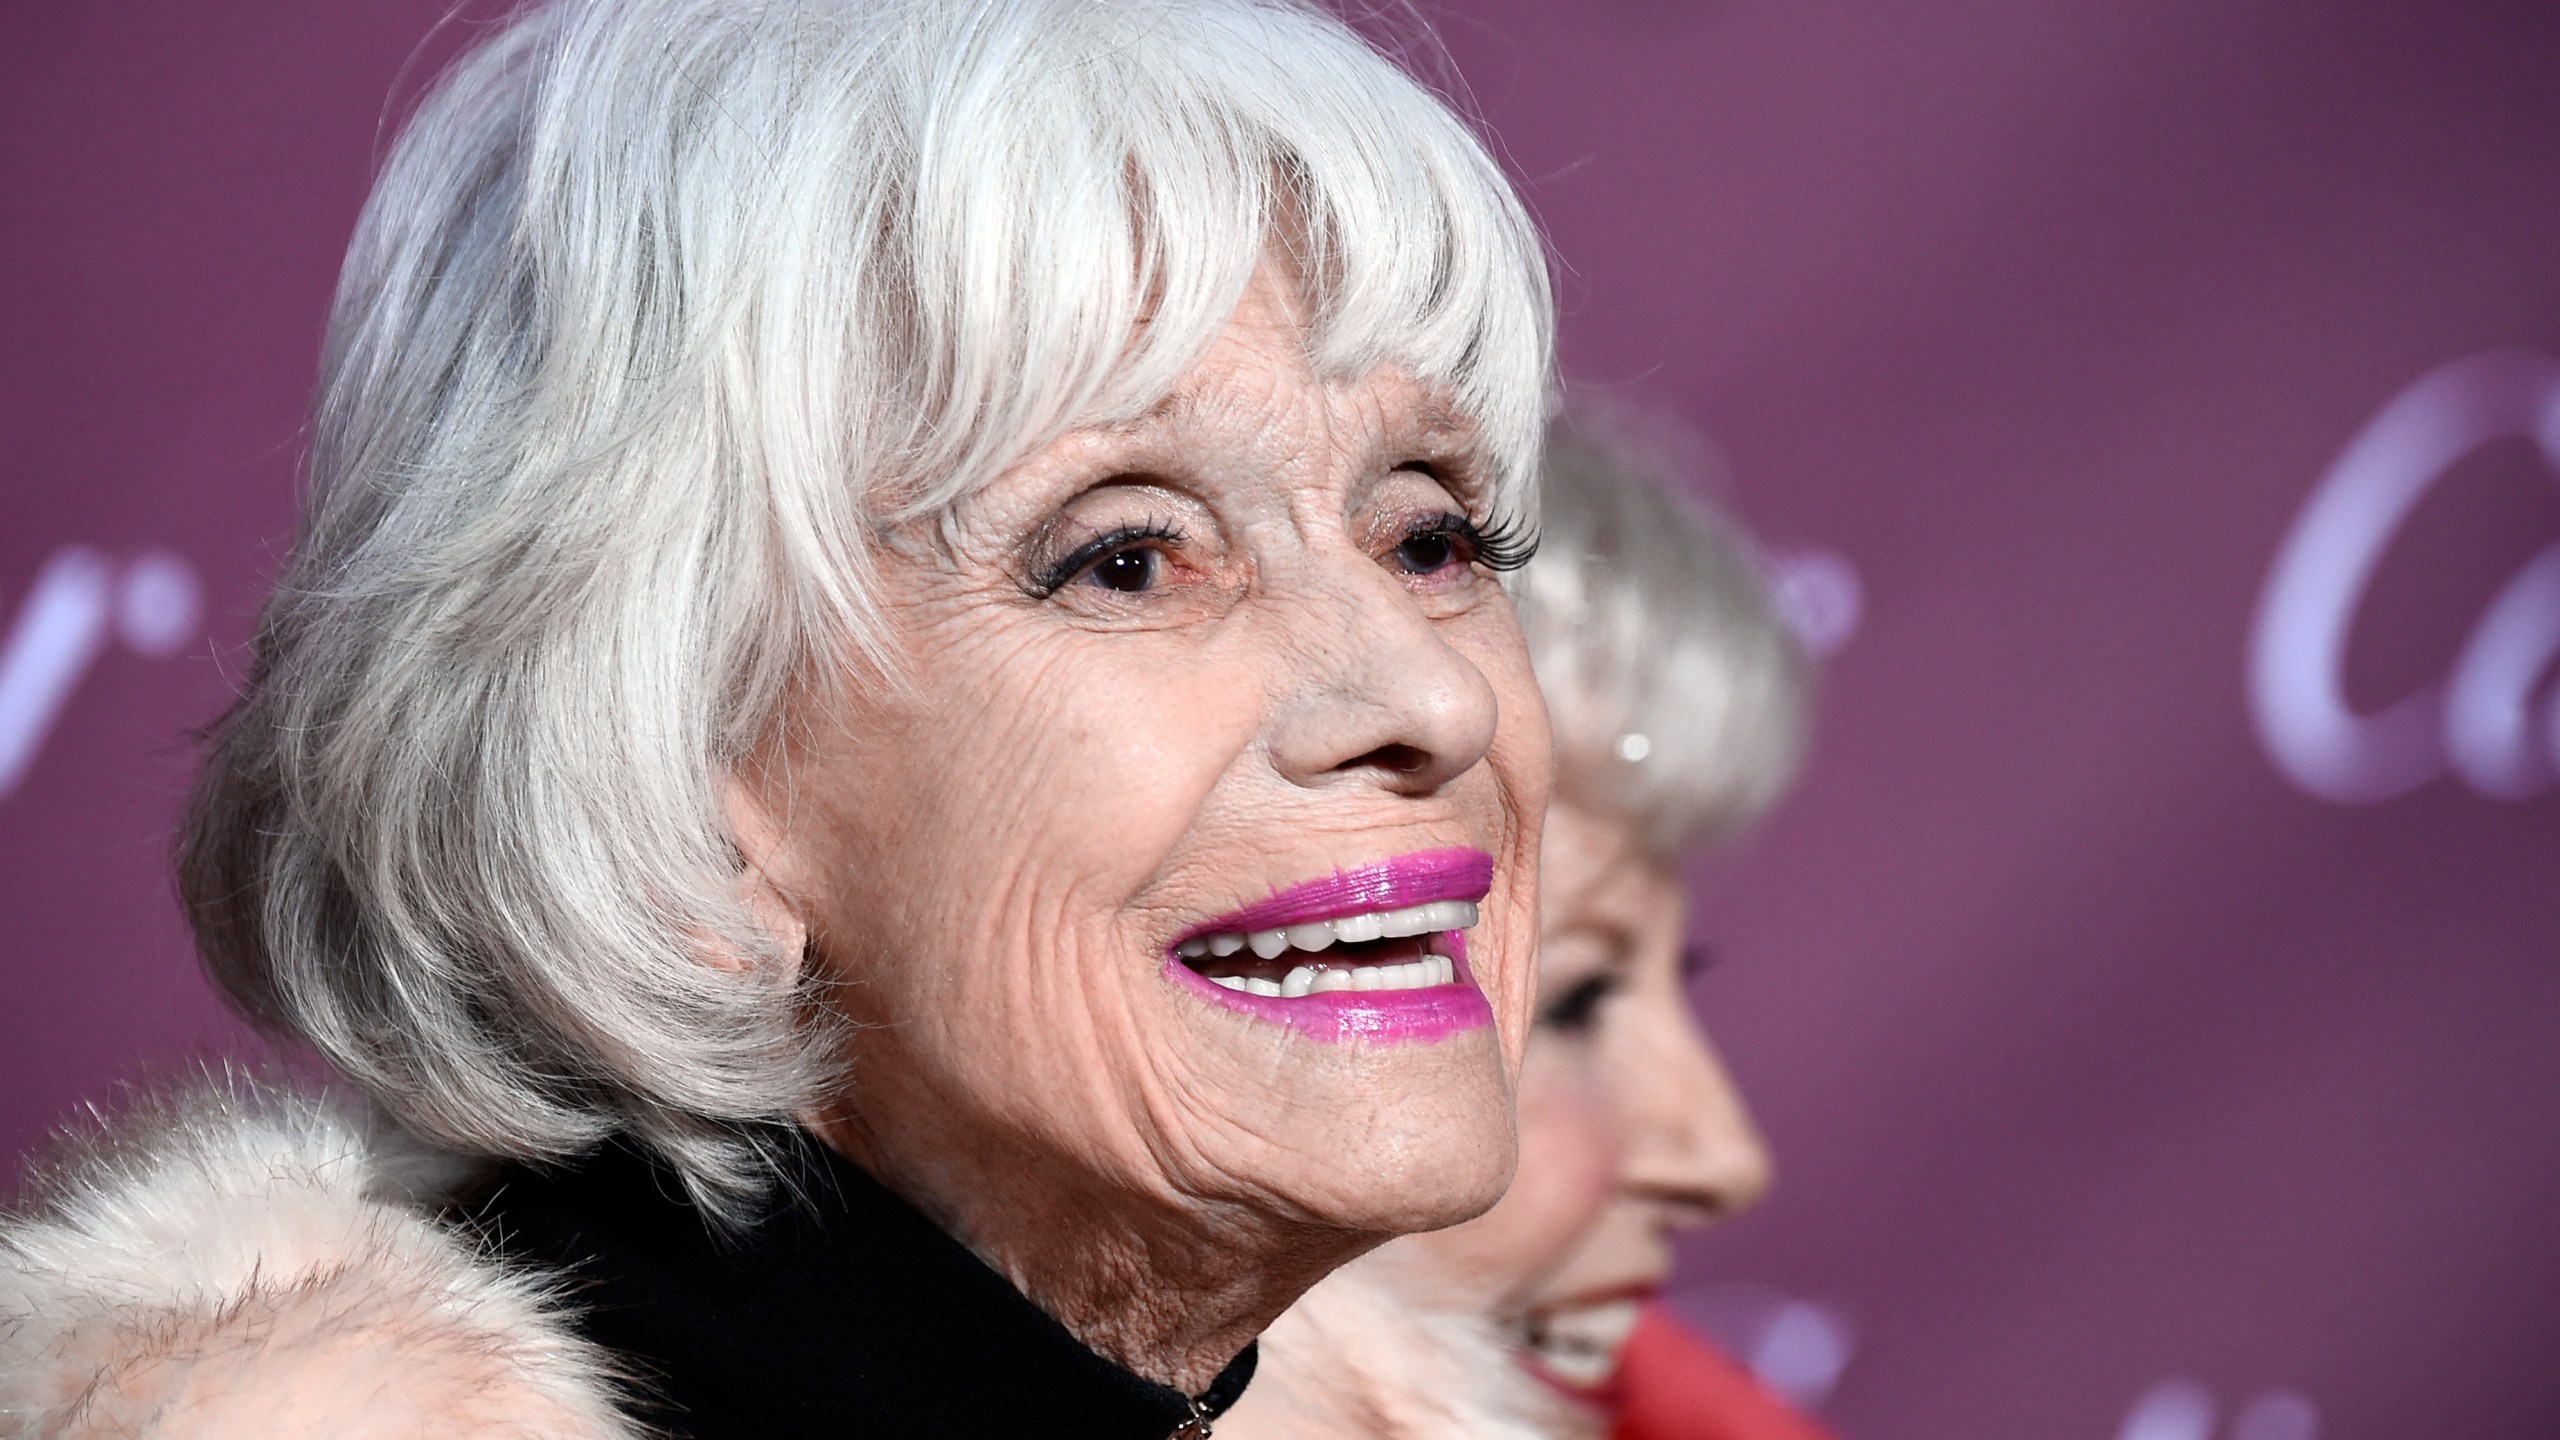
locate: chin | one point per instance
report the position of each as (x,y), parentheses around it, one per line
(1362,1053)
(1394,1140)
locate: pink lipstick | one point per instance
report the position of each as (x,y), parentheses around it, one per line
(1376,952)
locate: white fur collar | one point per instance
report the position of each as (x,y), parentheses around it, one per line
(1366,1354)
(243,1263)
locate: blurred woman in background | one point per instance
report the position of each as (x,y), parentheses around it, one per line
(1678,702)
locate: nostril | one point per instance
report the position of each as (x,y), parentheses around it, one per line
(1399,759)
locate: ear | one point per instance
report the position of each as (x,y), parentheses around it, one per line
(762,859)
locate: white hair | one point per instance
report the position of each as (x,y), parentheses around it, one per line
(661,314)
(1677,694)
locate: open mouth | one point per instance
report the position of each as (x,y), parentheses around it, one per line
(1376,953)
(1409,948)
(1577,1347)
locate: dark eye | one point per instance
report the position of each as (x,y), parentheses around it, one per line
(1436,545)
(1128,561)
(1574,1011)
(1442,542)
(1130,572)
(1424,554)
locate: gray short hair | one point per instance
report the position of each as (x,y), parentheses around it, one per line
(1677,693)
(660,313)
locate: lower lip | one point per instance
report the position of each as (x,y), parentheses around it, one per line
(1378,1017)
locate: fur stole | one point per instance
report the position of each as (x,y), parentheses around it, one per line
(1367,1353)
(243,1263)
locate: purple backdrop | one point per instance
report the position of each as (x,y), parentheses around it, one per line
(2151,990)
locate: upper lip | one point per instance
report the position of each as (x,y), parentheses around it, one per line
(1459,872)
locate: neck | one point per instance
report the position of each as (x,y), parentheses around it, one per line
(1171,1289)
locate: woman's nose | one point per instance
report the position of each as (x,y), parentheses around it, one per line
(1379,694)
(1692,1144)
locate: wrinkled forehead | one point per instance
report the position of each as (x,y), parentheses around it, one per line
(1259,389)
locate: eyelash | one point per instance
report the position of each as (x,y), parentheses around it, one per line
(1497,545)
(1574,1011)
(1061,572)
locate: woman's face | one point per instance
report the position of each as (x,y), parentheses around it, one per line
(1204,710)
(1629,1127)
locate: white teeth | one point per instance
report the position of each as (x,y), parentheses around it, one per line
(1413,920)
(1423,919)
(1320,935)
(1358,929)
(1317,979)
(1581,1345)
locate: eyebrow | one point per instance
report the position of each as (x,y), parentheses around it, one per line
(1438,417)
(1177,404)
(1433,423)
(1441,425)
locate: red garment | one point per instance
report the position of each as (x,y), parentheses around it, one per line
(1673,1385)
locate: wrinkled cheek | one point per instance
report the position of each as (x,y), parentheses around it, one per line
(1049,1028)
(1102,1068)
(1519,1005)
(1523,753)
(1016,1026)
(1525,791)
(1502,955)
(1209,1129)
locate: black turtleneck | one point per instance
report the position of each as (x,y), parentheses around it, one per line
(843,1313)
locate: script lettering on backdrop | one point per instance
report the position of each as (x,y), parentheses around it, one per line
(2484,720)
(80,600)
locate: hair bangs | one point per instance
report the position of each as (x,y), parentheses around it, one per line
(1074,276)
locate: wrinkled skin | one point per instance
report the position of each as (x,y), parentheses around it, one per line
(993,859)
(1630,1128)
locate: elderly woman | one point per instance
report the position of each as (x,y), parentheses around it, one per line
(891,734)
(1678,703)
